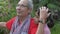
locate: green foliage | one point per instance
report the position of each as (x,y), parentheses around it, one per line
(56,29)
(3,30)
(8,10)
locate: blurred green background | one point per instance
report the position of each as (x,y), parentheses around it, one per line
(7,11)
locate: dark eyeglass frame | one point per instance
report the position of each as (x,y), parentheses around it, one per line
(22,5)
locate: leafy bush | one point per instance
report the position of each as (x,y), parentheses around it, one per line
(7,11)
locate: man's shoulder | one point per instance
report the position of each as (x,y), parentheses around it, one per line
(9,23)
(32,23)
(12,19)
(32,20)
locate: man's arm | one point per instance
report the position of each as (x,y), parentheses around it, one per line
(2,24)
(40,29)
(42,19)
(7,24)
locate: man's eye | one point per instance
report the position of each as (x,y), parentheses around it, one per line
(23,6)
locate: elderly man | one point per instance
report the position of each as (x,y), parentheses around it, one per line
(24,24)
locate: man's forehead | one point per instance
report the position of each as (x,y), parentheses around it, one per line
(23,1)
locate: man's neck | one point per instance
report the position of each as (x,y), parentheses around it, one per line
(21,19)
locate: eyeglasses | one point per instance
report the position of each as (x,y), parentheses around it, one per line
(22,5)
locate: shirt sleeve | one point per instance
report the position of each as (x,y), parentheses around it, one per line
(9,23)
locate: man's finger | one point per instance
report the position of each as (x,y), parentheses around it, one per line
(47,10)
(48,14)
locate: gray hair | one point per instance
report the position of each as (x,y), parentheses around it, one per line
(30,4)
